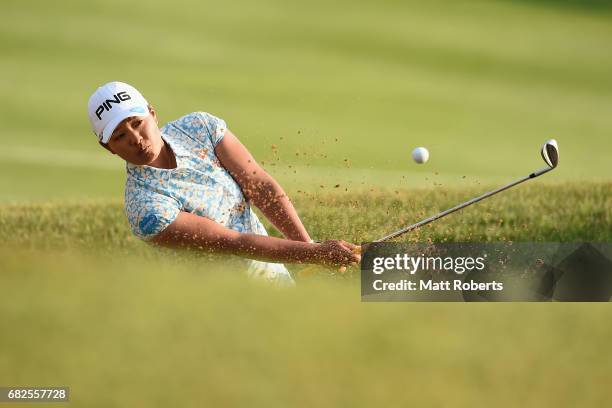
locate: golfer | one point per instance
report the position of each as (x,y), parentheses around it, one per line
(191,183)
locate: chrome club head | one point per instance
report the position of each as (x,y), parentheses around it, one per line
(550,153)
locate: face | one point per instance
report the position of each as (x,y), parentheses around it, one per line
(137,140)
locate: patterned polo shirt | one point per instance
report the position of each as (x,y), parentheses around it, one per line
(199,185)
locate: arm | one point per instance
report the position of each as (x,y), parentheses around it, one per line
(260,188)
(193,231)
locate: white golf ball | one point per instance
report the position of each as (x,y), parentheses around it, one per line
(420,155)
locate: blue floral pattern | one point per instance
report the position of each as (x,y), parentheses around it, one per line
(199,185)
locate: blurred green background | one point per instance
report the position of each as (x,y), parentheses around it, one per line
(345,90)
(323,94)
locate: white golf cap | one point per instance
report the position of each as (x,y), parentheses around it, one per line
(110,104)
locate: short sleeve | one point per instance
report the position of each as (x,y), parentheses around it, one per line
(215,127)
(202,126)
(149,212)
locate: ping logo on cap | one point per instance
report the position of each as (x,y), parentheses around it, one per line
(110,104)
(107,104)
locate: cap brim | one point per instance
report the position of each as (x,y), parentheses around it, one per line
(112,124)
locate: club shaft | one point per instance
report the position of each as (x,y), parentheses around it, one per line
(462,205)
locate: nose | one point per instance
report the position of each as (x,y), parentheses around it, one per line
(135,139)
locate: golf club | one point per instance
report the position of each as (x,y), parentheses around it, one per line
(550,154)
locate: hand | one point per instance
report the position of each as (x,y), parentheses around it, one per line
(337,253)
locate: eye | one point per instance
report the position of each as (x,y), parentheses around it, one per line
(137,123)
(119,136)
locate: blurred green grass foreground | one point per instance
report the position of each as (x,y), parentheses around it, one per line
(86,305)
(159,334)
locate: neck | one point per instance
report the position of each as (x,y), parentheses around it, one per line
(165,159)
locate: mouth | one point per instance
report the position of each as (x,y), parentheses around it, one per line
(145,150)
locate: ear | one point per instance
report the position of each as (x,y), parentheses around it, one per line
(153,113)
(107,147)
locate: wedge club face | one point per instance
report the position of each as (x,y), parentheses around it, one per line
(550,153)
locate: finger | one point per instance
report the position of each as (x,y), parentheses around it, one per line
(352,255)
(348,245)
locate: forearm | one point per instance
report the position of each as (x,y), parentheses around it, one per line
(274,203)
(274,249)
(192,231)
(264,192)
(282,250)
